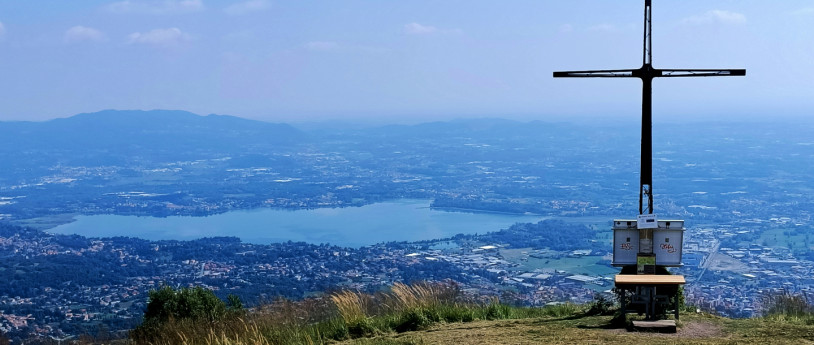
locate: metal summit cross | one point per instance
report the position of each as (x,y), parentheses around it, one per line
(646,73)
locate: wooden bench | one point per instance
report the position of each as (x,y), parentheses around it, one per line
(645,288)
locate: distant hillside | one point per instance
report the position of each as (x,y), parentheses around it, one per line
(112,135)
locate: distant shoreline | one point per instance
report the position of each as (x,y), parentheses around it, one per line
(48,222)
(475,210)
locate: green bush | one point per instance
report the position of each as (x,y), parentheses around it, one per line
(187,303)
(417,318)
(169,306)
(497,311)
(363,327)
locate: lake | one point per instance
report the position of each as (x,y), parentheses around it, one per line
(400,220)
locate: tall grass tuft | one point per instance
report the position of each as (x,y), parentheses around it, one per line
(422,295)
(785,306)
(351,305)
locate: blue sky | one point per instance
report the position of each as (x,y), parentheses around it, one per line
(403,61)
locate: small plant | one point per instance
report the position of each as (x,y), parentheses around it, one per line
(600,306)
(561,310)
(497,311)
(415,319)
(235,304)
(363,327)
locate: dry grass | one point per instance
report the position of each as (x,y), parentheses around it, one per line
(354,305)
(250,336)
(421,295)
(280,322)
(351,305)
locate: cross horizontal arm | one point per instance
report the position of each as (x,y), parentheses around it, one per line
(608,73)
(700,72)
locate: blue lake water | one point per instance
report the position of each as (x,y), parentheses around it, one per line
(401,220)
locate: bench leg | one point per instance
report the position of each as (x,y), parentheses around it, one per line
(675,305)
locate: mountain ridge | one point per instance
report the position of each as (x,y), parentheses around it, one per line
(112,136)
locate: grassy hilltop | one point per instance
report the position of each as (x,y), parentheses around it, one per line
(441,314)
(582,329)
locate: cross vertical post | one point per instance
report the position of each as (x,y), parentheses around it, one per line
(646,171)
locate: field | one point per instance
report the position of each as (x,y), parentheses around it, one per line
(723,262)
(790,237)
(587,265)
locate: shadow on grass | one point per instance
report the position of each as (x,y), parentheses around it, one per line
(608,325)
(558,319)
(592,321)
(617,322)
(574,317)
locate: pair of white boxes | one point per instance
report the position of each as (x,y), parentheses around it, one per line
(632,237)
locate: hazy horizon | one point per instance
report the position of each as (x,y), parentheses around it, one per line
(357,122)
(399,62)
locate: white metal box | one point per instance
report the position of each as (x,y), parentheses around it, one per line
(625,246)
(667,246)
(668,239)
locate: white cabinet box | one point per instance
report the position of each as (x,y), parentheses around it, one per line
(667,241)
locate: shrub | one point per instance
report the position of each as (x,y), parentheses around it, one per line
(187,303)
(363,327)
(600,306)
(169,306)
(497,311)
(417,318)
(788,306)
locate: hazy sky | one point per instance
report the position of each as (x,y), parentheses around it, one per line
(395,60)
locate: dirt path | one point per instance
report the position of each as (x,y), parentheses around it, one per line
(559,331)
